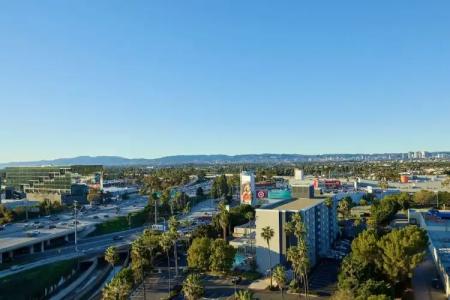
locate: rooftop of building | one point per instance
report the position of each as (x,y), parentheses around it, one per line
(295,204)
(439,233)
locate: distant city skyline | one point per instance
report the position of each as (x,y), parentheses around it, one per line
(153,79)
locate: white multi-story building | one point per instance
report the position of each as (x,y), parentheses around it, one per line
(320,223)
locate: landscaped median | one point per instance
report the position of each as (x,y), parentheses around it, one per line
(34,283)
(121,223)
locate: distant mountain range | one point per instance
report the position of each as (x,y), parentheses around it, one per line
(209,159)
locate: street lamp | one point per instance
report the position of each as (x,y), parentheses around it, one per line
(235,281)
(75,203)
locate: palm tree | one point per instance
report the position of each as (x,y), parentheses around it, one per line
(329,202)
(224,218)
(138,259)
(244,295)
(298,255)
(279,274)
(166,244)
(267,234)
(112,256)
(344,208)
(192,287)
(173,230)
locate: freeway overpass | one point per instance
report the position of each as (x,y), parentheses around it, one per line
(89,247)
(20,238)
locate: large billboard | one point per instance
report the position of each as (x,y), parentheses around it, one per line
(247,188)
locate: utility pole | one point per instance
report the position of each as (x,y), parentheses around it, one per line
(156,207)
(437,199)
(75,203)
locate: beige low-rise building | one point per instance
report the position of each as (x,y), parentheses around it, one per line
(321,230)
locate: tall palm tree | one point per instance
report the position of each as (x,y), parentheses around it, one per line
(279,274)
(166,244)
(267,234)
(224,218)
(112,256)
(192,287)
(173,231)
(298,255)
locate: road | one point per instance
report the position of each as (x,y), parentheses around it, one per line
(87,247)
(24,234)
(98,244)
(422,278)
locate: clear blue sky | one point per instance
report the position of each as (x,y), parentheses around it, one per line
(155,78)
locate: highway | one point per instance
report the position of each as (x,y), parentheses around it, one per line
(88,247)
(44,229)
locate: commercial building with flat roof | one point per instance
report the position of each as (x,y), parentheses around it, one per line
(438,230)
(320,224)
(52,183)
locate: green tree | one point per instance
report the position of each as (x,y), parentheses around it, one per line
(198,254)
(363,202)
(379,297)
(173,231)
(344,208)
(342,295)
(372,287)
(365,248)
(138,259)
(192,287)
(267,234)
(112,256)
(279,275)
(222,256)
(166,244)
(224,218)
(220,187)
(298,255)
(120,286)
(424,198)
(244,295)
(401,251)
(329,202)
(353,272)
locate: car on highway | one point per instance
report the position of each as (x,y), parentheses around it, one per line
(33,233)
(117,238)
(105,216)
(16,267)
(95,217)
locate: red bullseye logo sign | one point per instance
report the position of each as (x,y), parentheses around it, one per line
(261,194)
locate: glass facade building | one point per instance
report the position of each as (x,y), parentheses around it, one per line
(52,180)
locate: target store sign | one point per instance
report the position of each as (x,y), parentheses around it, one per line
(261,194)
